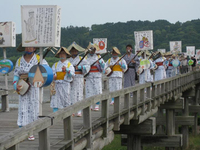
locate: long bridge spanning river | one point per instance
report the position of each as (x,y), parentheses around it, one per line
(151,117)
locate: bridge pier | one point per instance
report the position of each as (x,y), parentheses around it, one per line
(135,131)
(170,124)
(134,142)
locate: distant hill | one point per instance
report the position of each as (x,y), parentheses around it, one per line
(120,34)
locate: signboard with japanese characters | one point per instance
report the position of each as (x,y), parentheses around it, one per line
(197,53)
(101,43)
(144,40)
(41,25)
(175,47)
(190,50)
(7,34)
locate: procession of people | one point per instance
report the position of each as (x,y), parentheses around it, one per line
(77,77)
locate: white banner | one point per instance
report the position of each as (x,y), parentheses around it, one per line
(101,43)
(7,34)
(41,25)
(197,53)
(144,40)
(190,50)
(175,46)
(162,50)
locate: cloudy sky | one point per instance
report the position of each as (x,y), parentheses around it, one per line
(88,12)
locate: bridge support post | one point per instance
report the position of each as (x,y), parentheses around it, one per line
(196,103)
(160,129)
(134,142)
(170,124)
(184,127)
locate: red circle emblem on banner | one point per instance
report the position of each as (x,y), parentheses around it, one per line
(101,45)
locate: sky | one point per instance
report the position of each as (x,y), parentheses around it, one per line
(88,12)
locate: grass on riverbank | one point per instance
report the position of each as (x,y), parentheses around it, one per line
(194,144)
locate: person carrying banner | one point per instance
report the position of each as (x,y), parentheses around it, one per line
(28,110)
(129,76)
(93,84)
(118,66)
(63,75)
(81,67)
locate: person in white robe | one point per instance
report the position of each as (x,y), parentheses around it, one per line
(28,109)
(142,75)
(168,64)
(115,79)
(160,71)
(63,75)
(93,83)
(77,85)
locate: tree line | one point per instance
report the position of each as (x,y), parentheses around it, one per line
(120,34)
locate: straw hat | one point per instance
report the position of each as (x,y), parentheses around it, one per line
(168,54)
(21,49)
(93,46)
(116,50)
(62,48)
(76,46)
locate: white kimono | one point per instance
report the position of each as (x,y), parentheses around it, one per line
(77,85)
(149,76)
(115,79)
(28,110)
(93,84)
(61,98)
(160,73)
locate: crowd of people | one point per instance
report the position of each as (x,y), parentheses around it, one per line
(74,73)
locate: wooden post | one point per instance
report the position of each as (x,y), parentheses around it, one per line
(127,106)
(15,147)
(68,131)
(105,114)
(170,124)
(160,129)
(44,139)
(142,99)
(134,142)
(41,89)
(87,124)
(4,100)
(195,130)
(185,128)
(117,111)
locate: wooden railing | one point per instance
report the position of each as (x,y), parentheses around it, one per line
(144,103)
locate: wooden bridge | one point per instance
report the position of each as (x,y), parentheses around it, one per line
(150,117)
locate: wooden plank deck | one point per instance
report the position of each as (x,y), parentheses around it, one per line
(8,123)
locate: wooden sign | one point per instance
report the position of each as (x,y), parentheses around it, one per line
(197,53)
(101,43)
(144,40)
(40,25)
(175,47)
(7,34)
(190,50)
